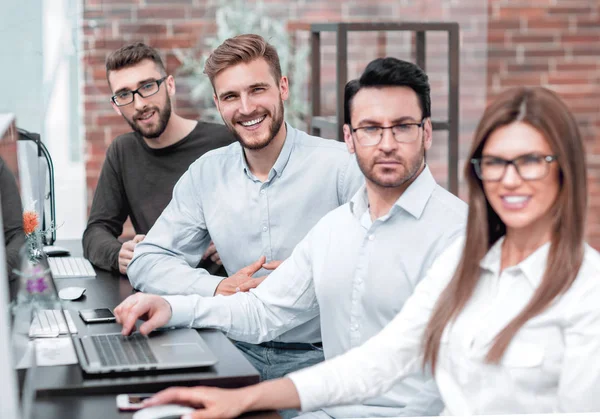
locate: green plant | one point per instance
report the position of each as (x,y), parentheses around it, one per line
(235,17)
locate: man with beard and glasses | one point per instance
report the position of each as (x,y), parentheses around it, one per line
(256,198)
(360,263)
(142,167)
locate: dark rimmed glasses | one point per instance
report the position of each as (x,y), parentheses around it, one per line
(528,166)
(407,132)
(147,89)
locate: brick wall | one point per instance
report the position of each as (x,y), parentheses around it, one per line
(555,43)
(169,24)
(549,42)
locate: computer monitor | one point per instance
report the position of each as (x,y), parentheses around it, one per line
(9,396)
(8,144)
(37,173)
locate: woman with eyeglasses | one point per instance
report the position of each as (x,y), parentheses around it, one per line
(508,318)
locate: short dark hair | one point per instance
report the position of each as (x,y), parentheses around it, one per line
(132,54)
(388,72)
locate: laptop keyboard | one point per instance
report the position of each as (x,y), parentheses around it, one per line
(116,349)
(71,267)
(49,323)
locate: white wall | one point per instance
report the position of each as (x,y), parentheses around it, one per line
(40,84)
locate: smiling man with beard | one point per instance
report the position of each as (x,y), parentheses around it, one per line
(142,167)
(256,199)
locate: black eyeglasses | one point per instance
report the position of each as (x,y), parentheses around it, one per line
(403,133)
(148,89)
(529,166)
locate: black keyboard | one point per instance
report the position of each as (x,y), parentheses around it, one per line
(116,349)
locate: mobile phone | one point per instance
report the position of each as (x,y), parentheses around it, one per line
(97,315)
(131,402)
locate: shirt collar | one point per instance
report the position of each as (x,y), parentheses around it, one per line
(413,200)
(359,203)
(282,159)
(533,267)
(415,197)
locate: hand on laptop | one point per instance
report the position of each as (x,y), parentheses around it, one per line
(242,280)
(212,253)
(155,310)
(126,252)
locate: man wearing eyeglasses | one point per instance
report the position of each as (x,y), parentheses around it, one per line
(361,262)
(142,167)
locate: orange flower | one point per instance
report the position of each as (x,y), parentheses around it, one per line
(30,221)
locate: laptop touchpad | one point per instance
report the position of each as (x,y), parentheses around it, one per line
(177,352)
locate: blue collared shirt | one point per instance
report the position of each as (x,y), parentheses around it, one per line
(219,198)
(353,273)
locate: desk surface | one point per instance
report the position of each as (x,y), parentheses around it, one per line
(61,388)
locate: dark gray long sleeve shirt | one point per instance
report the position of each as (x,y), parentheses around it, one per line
(137,181)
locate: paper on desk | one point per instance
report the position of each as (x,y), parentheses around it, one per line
(54,351)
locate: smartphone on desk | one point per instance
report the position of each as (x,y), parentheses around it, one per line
(97,315)
(131,402)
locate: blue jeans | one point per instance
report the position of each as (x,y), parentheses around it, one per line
(275,359)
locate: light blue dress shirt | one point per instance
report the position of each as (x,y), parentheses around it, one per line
(354,273)
(219,198)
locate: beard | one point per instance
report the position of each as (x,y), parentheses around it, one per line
(152,132)
(274,127)
(411,168)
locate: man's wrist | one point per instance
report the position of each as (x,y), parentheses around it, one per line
(182,310)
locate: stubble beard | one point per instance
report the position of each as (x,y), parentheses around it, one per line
(411,170)
(164,116)
(274,127)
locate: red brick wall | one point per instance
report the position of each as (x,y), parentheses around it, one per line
(555,43)
(550,42)
(168,24)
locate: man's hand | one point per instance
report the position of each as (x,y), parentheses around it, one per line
(232,284)
(155,310)
(212,253)
(255,282)
(242,280)
(126,252)
(213,402)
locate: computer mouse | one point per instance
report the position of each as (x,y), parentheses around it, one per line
(56,251)
(71,293)
(164,411)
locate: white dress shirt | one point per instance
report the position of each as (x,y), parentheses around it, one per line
(219,198)
(551,364)
(354,273)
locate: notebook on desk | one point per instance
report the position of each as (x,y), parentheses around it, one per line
(110,353)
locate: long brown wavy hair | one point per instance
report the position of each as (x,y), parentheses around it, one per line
(543,110)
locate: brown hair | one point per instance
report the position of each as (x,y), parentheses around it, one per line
(242,49)
(544,111)
(133,54)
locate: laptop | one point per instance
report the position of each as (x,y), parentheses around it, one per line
(163,350)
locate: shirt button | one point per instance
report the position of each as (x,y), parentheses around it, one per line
(354,327)
(262,191)
(372,237)
(265,228)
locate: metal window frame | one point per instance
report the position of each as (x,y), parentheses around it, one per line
(341,29)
